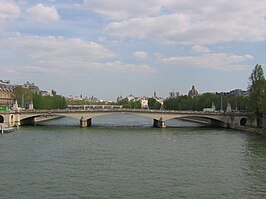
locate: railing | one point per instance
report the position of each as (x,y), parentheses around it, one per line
(121,110)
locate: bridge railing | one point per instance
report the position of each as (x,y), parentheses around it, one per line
(123,110)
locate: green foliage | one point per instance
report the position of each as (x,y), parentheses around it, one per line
(151,102)
(154,104)
(191,103)
(157,105)
(22,95)
(129,104)
(257,95)
(238,103)
(49,102)
(171,103)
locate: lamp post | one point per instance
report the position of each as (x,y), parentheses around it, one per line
(22,100)
(222,107)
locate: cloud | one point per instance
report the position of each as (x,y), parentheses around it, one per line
(35,54)
(200,49)
(121,67)
(199,23)
(123,9)
(213,61)
(9,10)
(42,14)
(140,54)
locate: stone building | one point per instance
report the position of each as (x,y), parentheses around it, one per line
(193,92)
(144,103)
(31,86)
(6,92)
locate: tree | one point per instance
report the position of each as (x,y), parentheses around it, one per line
(151,102)
(22,95)
(257,94)
(49,102)
(154,104)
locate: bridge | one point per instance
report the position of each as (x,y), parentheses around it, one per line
(226,120)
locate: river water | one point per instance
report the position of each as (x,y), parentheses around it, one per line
(122,156)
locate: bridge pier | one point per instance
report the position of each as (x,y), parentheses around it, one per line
(159,123)
(84,122)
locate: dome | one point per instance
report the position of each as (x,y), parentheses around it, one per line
(193,92)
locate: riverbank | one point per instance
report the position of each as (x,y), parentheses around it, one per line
(261,131)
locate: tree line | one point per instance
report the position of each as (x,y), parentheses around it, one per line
(198,103)
(25,97)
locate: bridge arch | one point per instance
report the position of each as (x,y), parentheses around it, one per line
(243,121)
(206,120)
(2,119)
(11,119)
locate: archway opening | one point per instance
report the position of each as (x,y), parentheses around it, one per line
(243,122)
(2,119)
(12,119)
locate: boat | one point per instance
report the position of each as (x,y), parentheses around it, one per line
(6,129)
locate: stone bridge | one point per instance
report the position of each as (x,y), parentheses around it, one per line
(226,120)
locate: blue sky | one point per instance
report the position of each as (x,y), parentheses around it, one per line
(108,48)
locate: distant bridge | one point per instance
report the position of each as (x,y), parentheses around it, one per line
(226,120)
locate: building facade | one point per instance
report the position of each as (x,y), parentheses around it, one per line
(6,98)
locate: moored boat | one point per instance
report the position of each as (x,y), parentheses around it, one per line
(6,129)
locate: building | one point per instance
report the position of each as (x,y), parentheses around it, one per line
(45,93)
(173,94)
(235,93)
(238,92)
(33,88)
(119,98)
(131,98)
(144,103)
(6,92)
(193,92)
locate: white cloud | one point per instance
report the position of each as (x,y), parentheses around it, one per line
(34,54)
(200,49)
(58,48)
(140,54)
(9,10)
(142,28)
(116,9)
(121,67)
(200,22)
(216,61)
(41,13)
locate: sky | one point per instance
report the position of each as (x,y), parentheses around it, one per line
(109,48)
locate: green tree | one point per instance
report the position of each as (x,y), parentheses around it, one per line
(22,95)
(171,103)
(49,102)
(129,104)
(153,103)
(257,94)
(206,100)
(157,105)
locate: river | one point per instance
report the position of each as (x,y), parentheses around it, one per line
(122,156)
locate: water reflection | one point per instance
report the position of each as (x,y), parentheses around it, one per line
(256,159)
